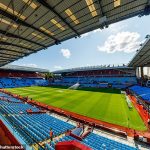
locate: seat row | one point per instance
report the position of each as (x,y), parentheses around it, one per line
(21,82)
(99,82)
(95,142)
(37,126)
(143,92)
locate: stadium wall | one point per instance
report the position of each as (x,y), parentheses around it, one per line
(120,130)
(10,140)
(92,122)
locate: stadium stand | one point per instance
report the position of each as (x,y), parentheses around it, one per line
(30,26)
(34,123)
(21,82)
(96,142)
(115,77)
(34,128)
(116,82)
(15,108)
(20,76)
(143,92)
(5,97)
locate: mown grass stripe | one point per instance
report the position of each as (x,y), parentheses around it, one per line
(102,104)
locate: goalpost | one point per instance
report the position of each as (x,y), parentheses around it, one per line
(75,86)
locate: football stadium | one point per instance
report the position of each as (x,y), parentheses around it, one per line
(100,107)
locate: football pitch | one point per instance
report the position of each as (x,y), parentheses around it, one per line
(103,104)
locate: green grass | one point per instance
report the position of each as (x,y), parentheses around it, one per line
(102,104)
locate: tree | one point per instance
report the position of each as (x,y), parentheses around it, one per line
(49,75)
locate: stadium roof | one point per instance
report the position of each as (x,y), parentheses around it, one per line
(88,68)
(142,57)
(27,26)
(23,68)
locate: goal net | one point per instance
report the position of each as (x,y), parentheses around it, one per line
(75,86)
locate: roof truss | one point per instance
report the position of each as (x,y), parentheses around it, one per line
(33,26)
(19,37)
(45,4)
(16,45)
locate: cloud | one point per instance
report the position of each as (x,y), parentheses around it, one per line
(30,65)
(85,35)
(117,27)
(58,67)
(66,53)
(127,42)
(90,33)
(97,30)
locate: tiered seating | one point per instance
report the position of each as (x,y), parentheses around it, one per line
(21,82)
(35,128)
(143,92)
(9,107)
(39,125)
(17,108)
(116,82)
(12,99)
(97,142)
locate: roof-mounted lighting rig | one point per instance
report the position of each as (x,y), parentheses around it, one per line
(57,42)
(103,22)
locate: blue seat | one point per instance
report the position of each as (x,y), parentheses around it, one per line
(21,82)
(143,92)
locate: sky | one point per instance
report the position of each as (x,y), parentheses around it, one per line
(116,44)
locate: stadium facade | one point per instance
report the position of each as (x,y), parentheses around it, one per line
(99,77)
(19,76)
(26,117)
